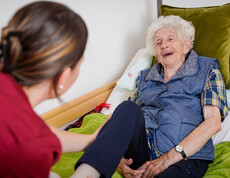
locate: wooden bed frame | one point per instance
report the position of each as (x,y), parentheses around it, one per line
(78,107)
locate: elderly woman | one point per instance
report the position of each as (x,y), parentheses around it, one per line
(182,102)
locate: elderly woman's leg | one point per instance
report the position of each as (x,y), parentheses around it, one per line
(125,129)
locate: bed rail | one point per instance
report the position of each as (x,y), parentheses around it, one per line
(78,107)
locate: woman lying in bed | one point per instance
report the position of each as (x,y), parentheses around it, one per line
(181,102)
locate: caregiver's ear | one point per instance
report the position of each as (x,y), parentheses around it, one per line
(64,77)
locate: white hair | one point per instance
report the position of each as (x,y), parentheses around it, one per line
(185,30)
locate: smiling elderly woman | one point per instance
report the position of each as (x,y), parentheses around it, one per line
(181,102)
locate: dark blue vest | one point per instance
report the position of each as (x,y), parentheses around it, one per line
(173,109)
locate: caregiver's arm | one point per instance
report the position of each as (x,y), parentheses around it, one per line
(191,144)
(73,142)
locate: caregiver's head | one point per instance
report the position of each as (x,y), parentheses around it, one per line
(170,38)
(40,42)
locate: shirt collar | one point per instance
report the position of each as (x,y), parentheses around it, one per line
(190,67)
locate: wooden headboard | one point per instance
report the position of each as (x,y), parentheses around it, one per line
(78,107)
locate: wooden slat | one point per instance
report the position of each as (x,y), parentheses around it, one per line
(78,107)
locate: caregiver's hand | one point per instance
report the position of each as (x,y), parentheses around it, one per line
(126,171)
(157,166)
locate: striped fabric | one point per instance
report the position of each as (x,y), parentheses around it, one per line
(215,93)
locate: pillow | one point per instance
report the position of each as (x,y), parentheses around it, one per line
(224,134)
(141,61)
(127,82)
(116,97)
(212,37)
(228,98)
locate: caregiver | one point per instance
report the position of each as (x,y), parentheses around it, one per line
(41,50)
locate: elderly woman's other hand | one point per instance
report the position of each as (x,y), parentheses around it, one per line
(126,171)
(157,166)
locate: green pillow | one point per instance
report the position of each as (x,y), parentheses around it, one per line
(212,39)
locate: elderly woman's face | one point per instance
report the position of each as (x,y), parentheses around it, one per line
(170,49)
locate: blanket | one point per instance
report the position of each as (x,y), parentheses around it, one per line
(65,166)
(220,168)
(221,165)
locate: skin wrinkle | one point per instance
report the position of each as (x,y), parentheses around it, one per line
(185,30)
(166,41)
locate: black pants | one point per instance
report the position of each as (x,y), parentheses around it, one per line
(124,135)
(192,168)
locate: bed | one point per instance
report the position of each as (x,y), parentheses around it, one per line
(212,39)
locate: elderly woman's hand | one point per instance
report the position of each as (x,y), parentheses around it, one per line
(157,166)
(126,171)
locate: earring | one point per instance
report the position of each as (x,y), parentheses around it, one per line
(61,86)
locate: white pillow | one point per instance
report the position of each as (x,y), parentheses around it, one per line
(224,134)
(116,97)
(119,93)
(228,98)
(142,60)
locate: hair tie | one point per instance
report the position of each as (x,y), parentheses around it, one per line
(2,51)
(17,34)
(5,49)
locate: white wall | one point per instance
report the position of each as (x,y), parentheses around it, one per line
(117,29)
